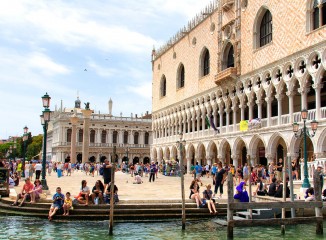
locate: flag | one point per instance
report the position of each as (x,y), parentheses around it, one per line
(211,120)
(244,125)
(207,122)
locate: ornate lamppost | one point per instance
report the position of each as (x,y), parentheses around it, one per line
(305,132)
(15,146)
(25,138)
(45,118)
(181,145)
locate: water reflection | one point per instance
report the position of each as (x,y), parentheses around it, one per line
(14,227)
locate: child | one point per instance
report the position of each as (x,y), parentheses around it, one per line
(67,204)
(58,199)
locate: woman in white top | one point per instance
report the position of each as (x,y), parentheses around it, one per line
(83,196)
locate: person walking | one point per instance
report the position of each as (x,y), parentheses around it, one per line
(219,179)
(38,169)
(152,172)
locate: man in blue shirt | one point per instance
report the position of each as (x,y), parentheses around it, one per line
(198,171)
(58,200)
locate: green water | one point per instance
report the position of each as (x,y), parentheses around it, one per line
(13,227)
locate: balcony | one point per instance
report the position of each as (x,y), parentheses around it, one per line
(227,4)
(227,74)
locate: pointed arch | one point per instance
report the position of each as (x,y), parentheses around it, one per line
(181,76)
(163,86)
(204,67)
(263,29)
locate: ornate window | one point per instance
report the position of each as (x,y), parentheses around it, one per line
(205,63)
(80,135)
(266,29)
(316,13)
(136,136)
(69,131)
(125,137)
(228,57)
(92,136)
(103,137)
(146,138)
(181,76)
(115,137)
(163,86)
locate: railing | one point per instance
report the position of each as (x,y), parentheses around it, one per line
(312,166)
(285,119)
(79,144)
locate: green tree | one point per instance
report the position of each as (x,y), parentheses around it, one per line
(35,147)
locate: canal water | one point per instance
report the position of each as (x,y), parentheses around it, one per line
(13,227)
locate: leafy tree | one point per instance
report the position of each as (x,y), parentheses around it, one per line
(35,147)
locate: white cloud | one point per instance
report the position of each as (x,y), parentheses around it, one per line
(100,70)
(46,64)
(143,90)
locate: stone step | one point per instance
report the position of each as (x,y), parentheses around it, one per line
(246,214)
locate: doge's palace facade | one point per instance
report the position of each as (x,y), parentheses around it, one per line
(241,60)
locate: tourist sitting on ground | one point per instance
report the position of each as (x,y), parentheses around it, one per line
(16,179)
(67,204)
(261,189)
(97,192)
(208,198)
(241,193)
(272,188)
(309,195)
(58,200)
(323,196)
(25,193)
(194,192)
(11,182)
(138,179)
(279,191)
(36,192)
(83,196)
(108,193)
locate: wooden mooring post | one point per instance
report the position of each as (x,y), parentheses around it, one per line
(229,210)
(112,191)
(284,194)
(318,210)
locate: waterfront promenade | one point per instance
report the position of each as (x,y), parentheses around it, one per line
(164,187)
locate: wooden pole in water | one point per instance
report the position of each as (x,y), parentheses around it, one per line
(229,211)
(291,185)
(250,189)
(182,186)
(112,191)
(318,210)
(284,194)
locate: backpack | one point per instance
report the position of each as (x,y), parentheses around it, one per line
(101,171)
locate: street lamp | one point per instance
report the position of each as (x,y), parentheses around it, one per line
(305,132)
(45,118)
(25,138)
(181,145)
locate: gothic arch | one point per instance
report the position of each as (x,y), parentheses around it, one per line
(256,27)
(321,143)
(204,62)
(238,141)
(228,59)
(273,141)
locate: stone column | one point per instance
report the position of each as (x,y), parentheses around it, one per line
(317,88)
(221,111)
(86,114)
(227,110)
(203,121)
(290,95)
(269,110)
(303,92)
(259,103)
(279,98)
(251,112)
(73,156)
(188,165)
(198,123)
(121,134)
(98,137)
(234,109)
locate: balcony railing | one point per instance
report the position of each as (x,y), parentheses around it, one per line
(285,120)
(100,145)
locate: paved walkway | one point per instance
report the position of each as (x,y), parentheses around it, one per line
(163,188)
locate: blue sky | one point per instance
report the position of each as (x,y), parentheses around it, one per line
(46,45)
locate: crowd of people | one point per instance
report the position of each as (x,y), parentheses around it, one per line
(268,181)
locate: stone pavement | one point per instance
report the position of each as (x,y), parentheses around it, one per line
(163,188)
